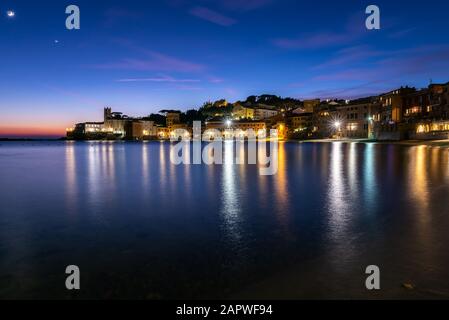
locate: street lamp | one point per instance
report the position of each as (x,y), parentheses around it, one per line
(337,125)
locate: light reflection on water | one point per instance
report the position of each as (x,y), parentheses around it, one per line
(331,209)
(230,204)
(369,176)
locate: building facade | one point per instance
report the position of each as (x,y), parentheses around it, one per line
(310,105)
(355,119)
(172,118)
(115,126)
(241,112)
(261,113)
(242,128)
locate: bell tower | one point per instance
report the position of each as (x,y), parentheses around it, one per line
(107,113)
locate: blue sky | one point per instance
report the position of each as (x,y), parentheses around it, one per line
(143,56)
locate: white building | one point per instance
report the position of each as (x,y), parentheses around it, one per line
(261,114)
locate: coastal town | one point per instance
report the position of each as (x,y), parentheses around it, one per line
(405,113)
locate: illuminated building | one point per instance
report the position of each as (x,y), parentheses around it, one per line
(163,133)
(116,123)
(86,130)
(240,128)
(172,118)
(264,113)
(282,130)
(301,122)
(115,126)
(356,118)
(431,130)
(410,113)
(175,129)
(322,119)
(426,103)
(391,109)
(143,129)
(241,112)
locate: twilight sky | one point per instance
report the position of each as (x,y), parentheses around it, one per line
(143,56)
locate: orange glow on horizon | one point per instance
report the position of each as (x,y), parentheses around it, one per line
(24,132)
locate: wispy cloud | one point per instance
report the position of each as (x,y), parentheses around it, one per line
(348,75)
(159,79)
(374,71)
(423,60)
(212,16)
(155,61)
(314,41)
(364,90)
(215,80)
(394,64)
(188,87)
(350,55)
(401,33)
(354,29)
(247,5)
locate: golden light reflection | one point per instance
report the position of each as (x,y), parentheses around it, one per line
(419,191)
(230,209)
(419,179)
(369,176)
(281,183)
(336,194)
(339,209)
(352,169)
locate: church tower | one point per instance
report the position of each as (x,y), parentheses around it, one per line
(107,113)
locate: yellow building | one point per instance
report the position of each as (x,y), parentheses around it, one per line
(282,130)
(163,133)
(241,112)
(392,105)
(172,118)
(238,128)
(142,129)
(175,129)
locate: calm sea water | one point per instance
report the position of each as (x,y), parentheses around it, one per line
(141,227)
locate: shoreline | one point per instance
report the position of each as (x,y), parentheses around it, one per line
(411,143)
(429,143)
